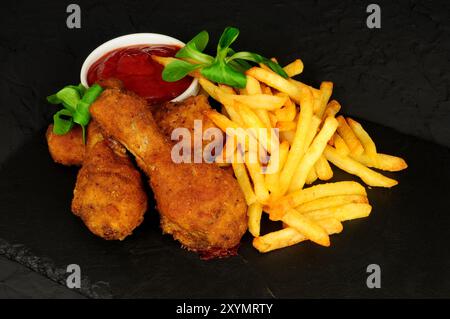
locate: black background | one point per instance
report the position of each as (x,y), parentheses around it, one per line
(396,76)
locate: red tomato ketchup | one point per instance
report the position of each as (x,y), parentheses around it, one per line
(138,72)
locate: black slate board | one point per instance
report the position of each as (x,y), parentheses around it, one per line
(18,281)
(406,235)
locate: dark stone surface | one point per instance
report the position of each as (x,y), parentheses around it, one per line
(17,281)
(406,234)
(397,76)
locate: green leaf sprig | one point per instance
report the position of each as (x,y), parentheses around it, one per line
(76,100)
(228,67)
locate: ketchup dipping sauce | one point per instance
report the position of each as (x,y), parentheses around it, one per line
(138,72)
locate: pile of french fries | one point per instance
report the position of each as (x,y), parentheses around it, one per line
(311,136)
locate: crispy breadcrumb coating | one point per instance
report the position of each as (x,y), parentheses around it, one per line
(109,195)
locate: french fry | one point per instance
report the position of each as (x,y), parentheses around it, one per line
(234,114)
(226,156)
(279,207)
(307,226)
(287,136)
(287,112)
(323,169)
(332,109)
(341,213)
(349,137)
(227,89)
(216,93)
(283,126)
(294,68)
(340,145)
(252,121)
(311,177)
(384,162)
(313,154)
(326,88)
(255,170)
(351,166)
(290,236)
(312,132)
(242,91)
(261,101)
(209,87)
(276,81)
(298,144)
(273,119)
(302,86)
(331,140)
(331,201)
(264,117)
(253,87)
(222,122)
(369,146)
(244,182)
(265,89)
(278,239)
(272,178)
(264,67)
(317,101)
(254,213)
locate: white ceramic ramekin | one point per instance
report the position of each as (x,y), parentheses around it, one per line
(135,39)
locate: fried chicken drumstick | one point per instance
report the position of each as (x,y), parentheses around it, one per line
(109,196)
(201,205)
(67,149)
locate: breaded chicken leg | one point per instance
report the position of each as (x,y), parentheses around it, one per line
(201,205)
(109,196)
(67,149)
